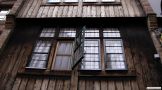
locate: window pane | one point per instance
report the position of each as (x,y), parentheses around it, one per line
(62,62)
(91,57)
(71,0)
(68,32)
(90,65)
(42,47)
(113,43)
(91,50)
(116,65)
(115,57)
(91,43)
(92,33)
(114,50)
(111,32)
(53,0)
(41,57)
(64,48)
(108,0)
(47,32)
(37,64)
(63,56)
(89,0)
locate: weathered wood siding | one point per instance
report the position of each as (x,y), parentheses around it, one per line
(40,9)
(139,55)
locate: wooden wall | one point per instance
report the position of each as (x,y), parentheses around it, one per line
(139,54)
(40,9)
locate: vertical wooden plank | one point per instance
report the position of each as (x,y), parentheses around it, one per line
(75,9)
(89,85)
(84,11)
(50,12)
(134,85)
(38,83)
(60,11)
(111,85)
(111,10)
(27,8)
(125,9)
(93,11)
(45,84)
(104,85)
(55,11)
(82,85)
(30,84)
(88,11)
(66,85)
(70,11)
(30,11)
(127,85)
(59,85)
(40,12)
(119,85)
(107,11)
(130,8)
(23,8)
(103,11)
(97,85)
(98,11)
(52,84)
(65,11)
(36,9)
(45,11)
(16,83)
(23,83)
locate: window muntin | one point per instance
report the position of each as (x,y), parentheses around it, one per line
(48,32)
(111,32)
(3,14)
(91,33)
(40,55)
(54,1)
(91,59)
(63,56)
(114,54)
(67,32)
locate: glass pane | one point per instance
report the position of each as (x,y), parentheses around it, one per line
(71,0)
(91,57)
(116,65)
(108,0)
(115,57)
(62,62)
(42,47)
(91,50)
(53,0)
(68,32)
(90,65)
(91,43)
(92,33)
(111,34)
(64,48)
(37,64)
(40,57)
(113,43)
(47,32)
(114,50)
(89,0)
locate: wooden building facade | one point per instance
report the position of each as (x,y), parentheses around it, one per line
(116,51)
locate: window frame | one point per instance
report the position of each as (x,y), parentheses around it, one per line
(30,59)
(99,56)
(106,59)
(55,55)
